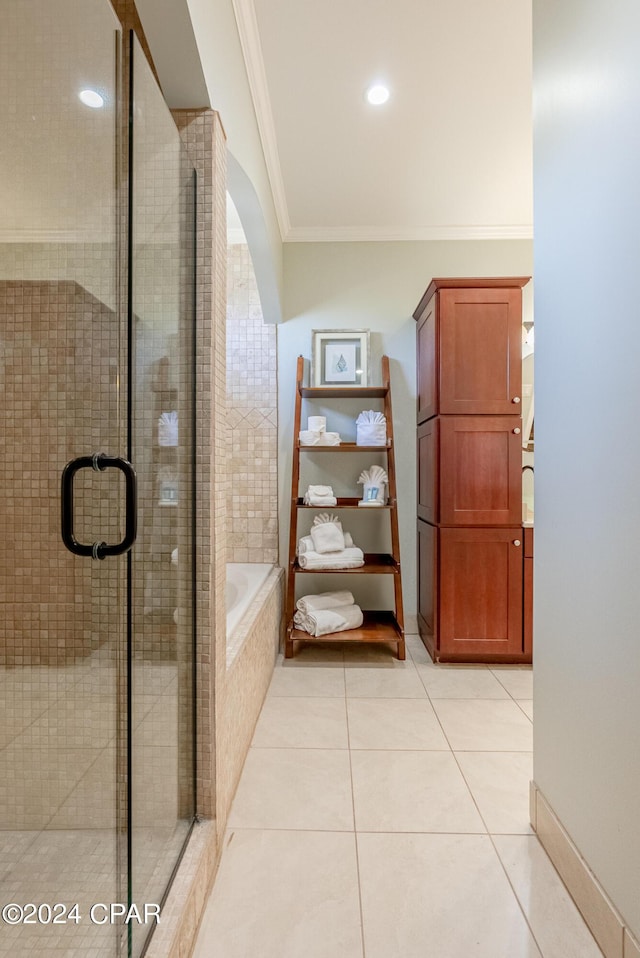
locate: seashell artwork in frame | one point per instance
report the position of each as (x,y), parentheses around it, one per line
(340,357)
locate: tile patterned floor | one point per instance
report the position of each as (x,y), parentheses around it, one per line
(58,798)
(383,813)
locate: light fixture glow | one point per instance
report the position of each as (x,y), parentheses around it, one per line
(377,94)
(91,98)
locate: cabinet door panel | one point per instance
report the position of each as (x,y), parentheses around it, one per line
(528,606)
(428,459)
(427,582)
(480,351)
(480,469)
(426,347)
(480,592)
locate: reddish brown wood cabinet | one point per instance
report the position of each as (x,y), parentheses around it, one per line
(471,570)
(469,347)
(528,592)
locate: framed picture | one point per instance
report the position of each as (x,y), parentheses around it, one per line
(340,357)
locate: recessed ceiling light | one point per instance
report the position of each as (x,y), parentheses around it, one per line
(377,94)
(91,98)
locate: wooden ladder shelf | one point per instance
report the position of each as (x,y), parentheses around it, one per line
(378,625)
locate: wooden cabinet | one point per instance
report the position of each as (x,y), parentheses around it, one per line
(481,592)
(469,347)
(469,470)
(528,592)
(472,574)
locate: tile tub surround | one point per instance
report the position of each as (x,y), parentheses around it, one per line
(252,422)
(354,814)
(244,581)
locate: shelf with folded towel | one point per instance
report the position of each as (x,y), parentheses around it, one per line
(343,447)
(322,557)
(375,563)
(345,503)
(378,626)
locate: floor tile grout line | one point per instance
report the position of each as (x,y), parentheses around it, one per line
(353,808)
(515,894)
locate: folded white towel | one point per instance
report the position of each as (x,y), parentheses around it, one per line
(320,491)
(320,500)
(313,437)
(325,621)
(328,537)
(319,496)
(306,543)
(324,600)
(347,559)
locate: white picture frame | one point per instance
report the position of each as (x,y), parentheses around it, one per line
(340,357)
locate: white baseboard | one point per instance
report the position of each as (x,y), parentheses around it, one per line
(606,924)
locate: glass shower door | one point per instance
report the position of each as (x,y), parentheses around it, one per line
(162,265)
(62,615)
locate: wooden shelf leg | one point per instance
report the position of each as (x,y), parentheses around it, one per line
(288,648)
(402,650)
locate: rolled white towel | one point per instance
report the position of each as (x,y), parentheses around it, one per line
(310,437)
(328,537)
(306,543)
(325,621)
(324,600)
(317,423)
(347,559)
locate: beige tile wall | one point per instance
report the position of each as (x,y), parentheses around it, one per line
(204,139)
(252,503)
(228,700)
(59,356)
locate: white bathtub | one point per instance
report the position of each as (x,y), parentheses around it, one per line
(244,581)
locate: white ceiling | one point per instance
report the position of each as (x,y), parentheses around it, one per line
(448,157)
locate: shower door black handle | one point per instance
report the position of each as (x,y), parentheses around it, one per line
(99,462)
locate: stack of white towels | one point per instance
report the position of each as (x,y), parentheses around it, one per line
(316,433)
(328,546)
(319,496)
(327,612)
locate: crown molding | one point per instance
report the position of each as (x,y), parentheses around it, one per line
(384,234)
(249,34)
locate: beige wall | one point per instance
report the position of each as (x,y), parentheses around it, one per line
(587,601)
(375,286)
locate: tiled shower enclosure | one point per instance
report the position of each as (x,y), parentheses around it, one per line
(97,771)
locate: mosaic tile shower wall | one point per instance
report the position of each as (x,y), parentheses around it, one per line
(252,418)
(60,348)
